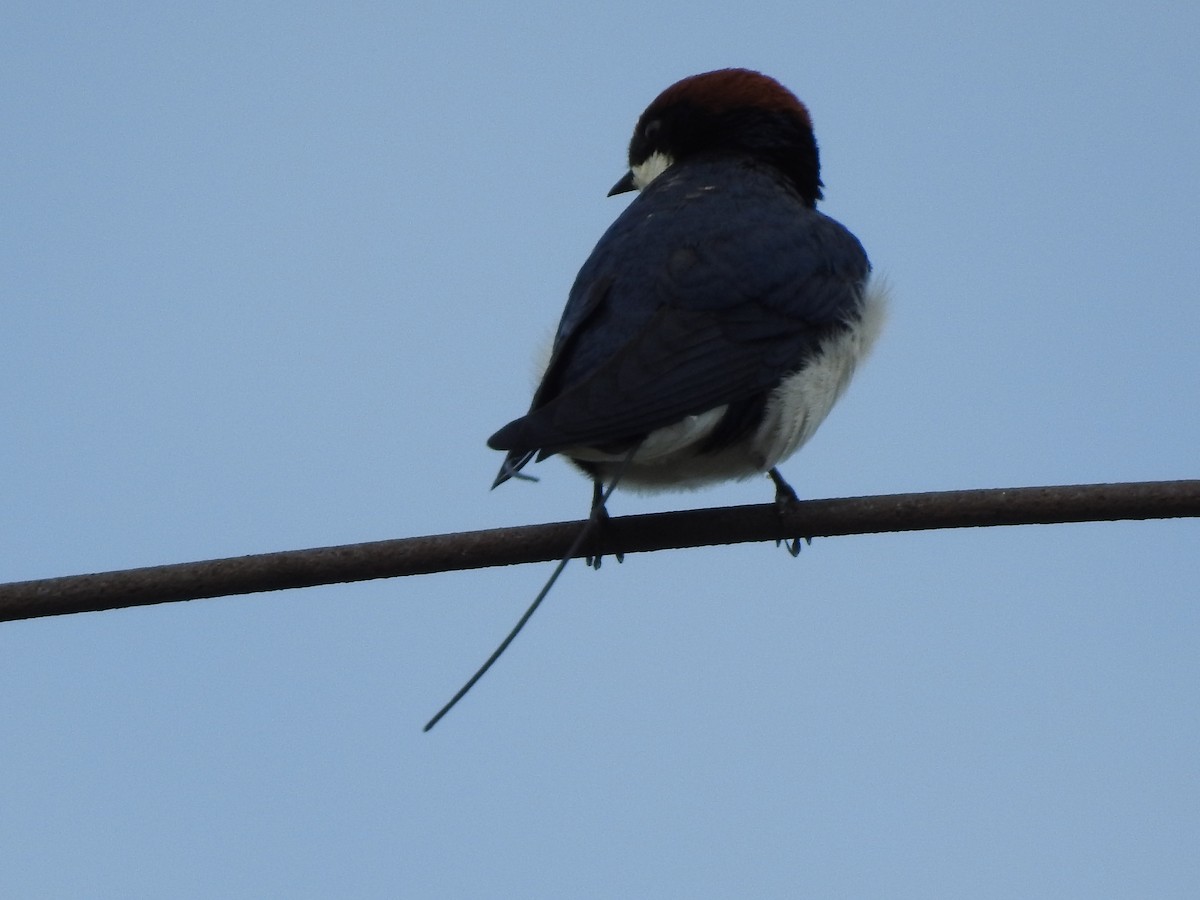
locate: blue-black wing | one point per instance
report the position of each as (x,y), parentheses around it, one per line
(715,283)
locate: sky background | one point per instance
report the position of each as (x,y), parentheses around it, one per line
(272,273)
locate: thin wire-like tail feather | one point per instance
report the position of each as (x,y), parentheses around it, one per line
(584,534)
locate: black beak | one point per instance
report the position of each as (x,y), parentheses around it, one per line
(624,185)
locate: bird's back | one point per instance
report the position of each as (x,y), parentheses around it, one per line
(713,284)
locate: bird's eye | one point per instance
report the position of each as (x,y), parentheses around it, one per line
(651,129)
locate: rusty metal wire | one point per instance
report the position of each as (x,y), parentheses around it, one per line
(630,534)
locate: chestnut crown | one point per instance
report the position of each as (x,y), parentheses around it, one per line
(729,111)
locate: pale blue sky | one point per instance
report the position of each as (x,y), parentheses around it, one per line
(272,273)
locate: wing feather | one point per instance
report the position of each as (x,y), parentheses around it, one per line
(706,291)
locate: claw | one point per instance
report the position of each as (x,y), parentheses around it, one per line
(600,515)
(785,497)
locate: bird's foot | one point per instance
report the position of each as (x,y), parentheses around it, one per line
(598,521)
(785,499)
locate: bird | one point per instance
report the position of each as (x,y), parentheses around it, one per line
(720,317)
(717,320)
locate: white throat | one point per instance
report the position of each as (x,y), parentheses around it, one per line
(650,168)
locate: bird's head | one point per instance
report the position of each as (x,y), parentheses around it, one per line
(729,111)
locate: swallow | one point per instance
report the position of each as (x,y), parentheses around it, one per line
(720,317)
(717,320)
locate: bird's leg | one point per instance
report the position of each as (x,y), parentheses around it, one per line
(785,497)
(597,520)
